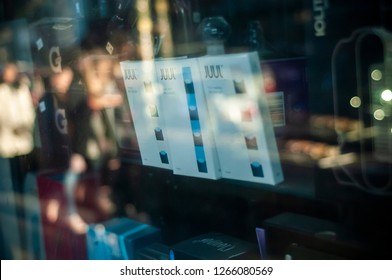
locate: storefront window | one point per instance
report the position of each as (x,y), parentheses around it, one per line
(190,129)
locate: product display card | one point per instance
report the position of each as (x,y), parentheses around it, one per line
(143,98)
(191,142)
(240,117)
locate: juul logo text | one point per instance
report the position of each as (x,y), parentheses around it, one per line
(167,74)
(319,24)
(130,74)
(213,71)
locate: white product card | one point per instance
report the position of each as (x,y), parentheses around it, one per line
(191,143)
(240,118)
(143,97)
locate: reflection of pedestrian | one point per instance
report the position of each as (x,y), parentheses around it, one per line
(94,141)
(53,110)
(17,118)
(92,127)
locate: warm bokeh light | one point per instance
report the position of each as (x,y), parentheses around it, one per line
(376,75)
(355,102)
(145,27)
(164,28)
(386,95)
(379,114)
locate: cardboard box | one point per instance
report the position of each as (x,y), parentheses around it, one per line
(143,98)
(119,239)
(187,122)
(240,116)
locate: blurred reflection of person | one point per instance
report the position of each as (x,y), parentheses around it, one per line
(93,136)
(53,112)
(17,118)
(105,73)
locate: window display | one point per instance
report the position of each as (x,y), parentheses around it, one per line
(156,128)
(143,96)
(190,134)
(241,120)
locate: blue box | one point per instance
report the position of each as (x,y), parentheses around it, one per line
(119,239)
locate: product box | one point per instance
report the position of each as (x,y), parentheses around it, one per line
(240,117)
(143,99)
(119,239)
(214,246)
(187,122)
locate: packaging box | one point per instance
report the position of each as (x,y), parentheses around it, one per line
(214,246)
(240,117)
(143,98)
(119,239)
(187,122)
